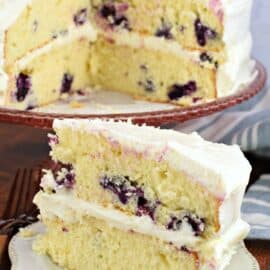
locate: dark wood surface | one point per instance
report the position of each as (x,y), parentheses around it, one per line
(23,147)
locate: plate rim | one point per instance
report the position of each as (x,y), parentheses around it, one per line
(14,256)
(156,118)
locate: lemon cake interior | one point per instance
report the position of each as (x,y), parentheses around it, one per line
(182,52)
(171,190)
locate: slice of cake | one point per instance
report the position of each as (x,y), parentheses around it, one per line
(182,51)
(123,193)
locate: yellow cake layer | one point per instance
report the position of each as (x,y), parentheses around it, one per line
(173,20)
(44,20)
(172,191)
(51,74)
(149,74)
(105,64)
(39,23)
(106,248)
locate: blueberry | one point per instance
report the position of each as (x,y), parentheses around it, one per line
(204,57)
(66,83)
(23,85)
(108,10)
(66,177)
(80,17)
(164,31)
(203,33)
(148,85)
(125,189)
(146,207)
(174,224)
(114,15)
(180,90)
(121,186)
(197,224)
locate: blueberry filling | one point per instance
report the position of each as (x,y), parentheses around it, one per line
(113,14)
(125,190)
(122,187)
(164,31)
(65,177)
(197,224)
(80,17)
(180,90)
(203,33)
(146,207)
(174,224)
(66,83)
(23,85)
(148,85)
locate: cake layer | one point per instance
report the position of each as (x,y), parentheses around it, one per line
(38,23)
(68,213)
(54,70)
(102,64)
(161,175)
(194,24)
(104,247)
(137,71)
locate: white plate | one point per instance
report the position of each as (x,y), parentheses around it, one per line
(24,258)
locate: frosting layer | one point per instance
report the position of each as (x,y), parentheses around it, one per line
(219,168)
(216,252)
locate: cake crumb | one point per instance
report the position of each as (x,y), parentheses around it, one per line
(76,105)
(24,232)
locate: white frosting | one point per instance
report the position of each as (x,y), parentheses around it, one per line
(59,205)
(73,33)
(239,68)
(217,252)
(219,168)
(135,40)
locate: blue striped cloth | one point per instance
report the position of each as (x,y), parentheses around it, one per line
(256,209)
(247,125)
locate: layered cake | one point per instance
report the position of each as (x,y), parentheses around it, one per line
(184,51)
(123,196)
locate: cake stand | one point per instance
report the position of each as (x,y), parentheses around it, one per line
(119,107)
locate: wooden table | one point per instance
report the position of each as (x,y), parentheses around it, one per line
(23,147)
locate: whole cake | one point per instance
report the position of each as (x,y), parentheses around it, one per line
(183,51)
(128,197)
